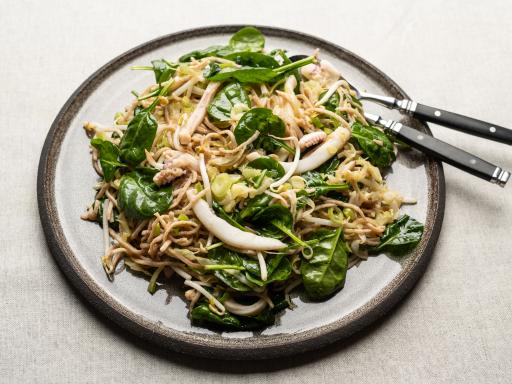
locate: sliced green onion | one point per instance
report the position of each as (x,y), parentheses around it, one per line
(335,215)
(156,230)
(349,214)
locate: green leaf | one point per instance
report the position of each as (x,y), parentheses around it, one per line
(332,102)
(274,169)
(247,39)
(324,273)
(276,221)
(329,167)
(214,50)
(163,70)
(253,59)
(322,190)
(232,94)
(280,302)
(108,155)
(227,217)
(263,120)
(279,268)
(254,205)
(368,138)
(400,237)
(202,315)
(140,198)
(316,181)
(228,257)
(243,74)
(139,136)
(247,74)
(271,219)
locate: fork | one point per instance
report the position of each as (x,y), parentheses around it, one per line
(434,115)
(435,147)
(439,116)
(442,151)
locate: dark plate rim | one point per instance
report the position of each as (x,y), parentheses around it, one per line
(214,346)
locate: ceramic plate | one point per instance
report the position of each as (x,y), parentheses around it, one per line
(65,183)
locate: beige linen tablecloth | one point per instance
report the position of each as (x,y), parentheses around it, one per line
(457,323)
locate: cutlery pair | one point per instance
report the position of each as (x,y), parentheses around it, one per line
(435,147)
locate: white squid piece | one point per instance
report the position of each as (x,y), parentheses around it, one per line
(330,147)
(323,69)
(228,234)
(177,159)
(312,139)
(329,69)
(176,165)
(199,113)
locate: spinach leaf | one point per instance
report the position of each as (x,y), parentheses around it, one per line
(214,50)
(147,171)
(324,189)
(253,59)
(108,154)
(329,167)
(400,237)
(139,136)
(232,94)
(255,205)
(316,181)
(140,198)
(228,257)
(367,137)
(263,120)
(247,39)
(247,74)
(325,272)
(203,316)
(274,169)
(163,70)
(280,302)
(227,217)
(277,221)
(244,74)
(332,102)
(279,268)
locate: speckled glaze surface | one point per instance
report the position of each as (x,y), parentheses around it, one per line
(66,177)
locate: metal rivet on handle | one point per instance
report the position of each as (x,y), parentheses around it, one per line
(420,137)
(437,113)
(472,161)
(492,129)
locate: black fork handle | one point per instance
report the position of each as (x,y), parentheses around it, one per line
(450,154)
(463,123)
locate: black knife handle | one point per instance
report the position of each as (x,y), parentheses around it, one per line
(463,123)
(450,154)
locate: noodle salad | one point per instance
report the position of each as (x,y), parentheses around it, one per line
(245,175)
